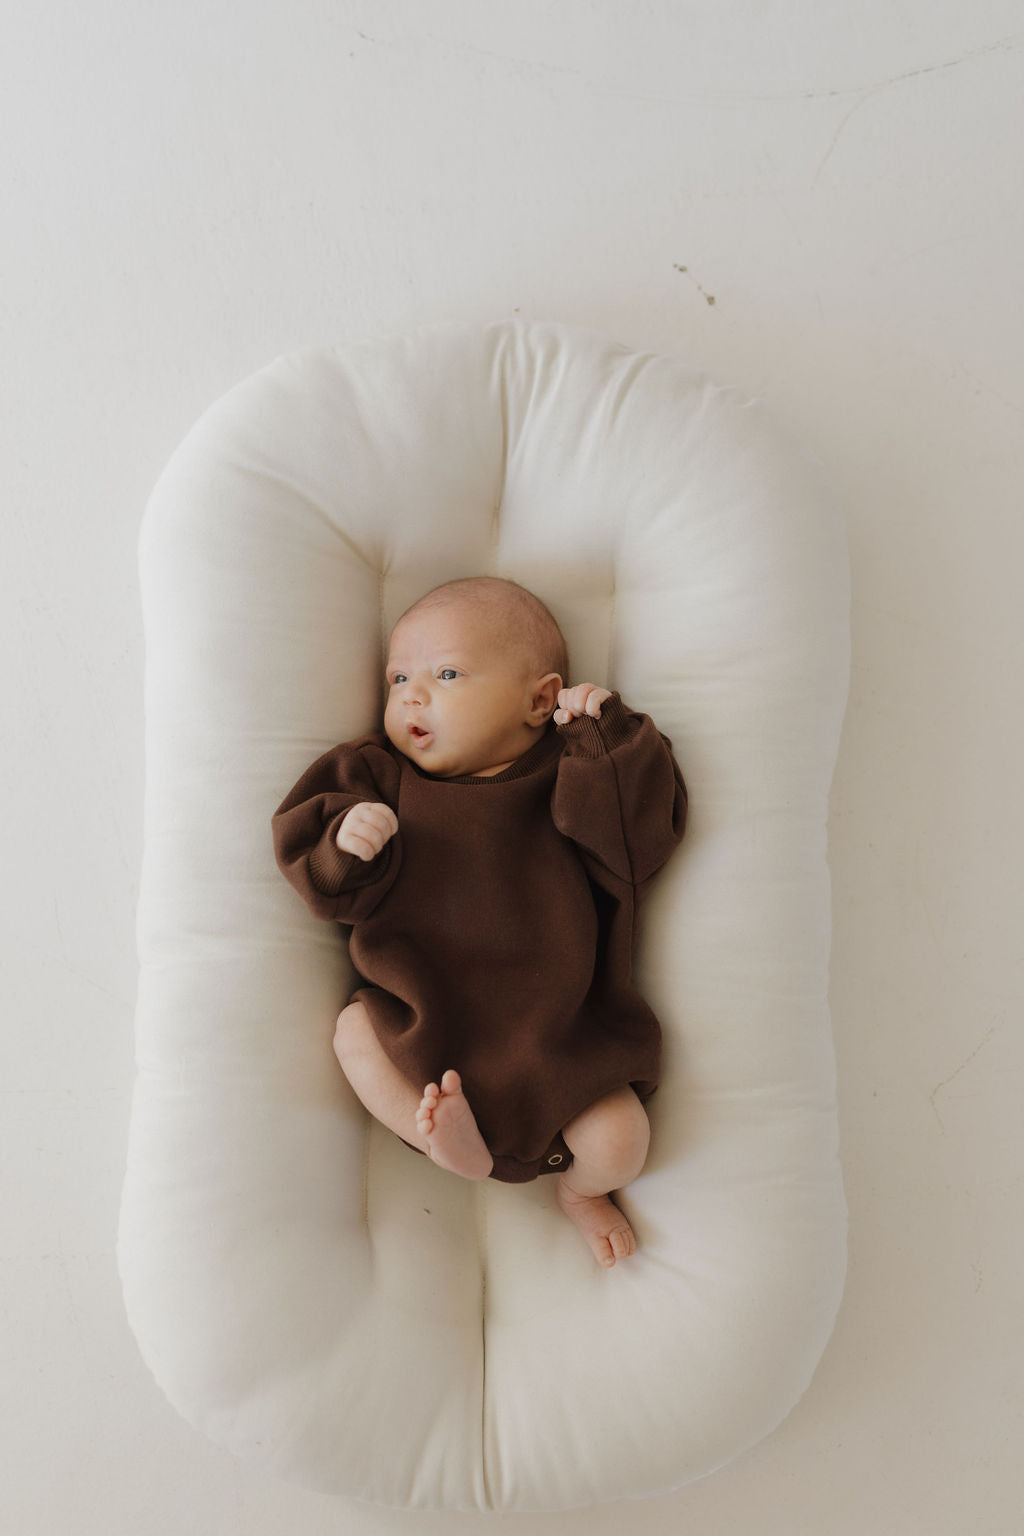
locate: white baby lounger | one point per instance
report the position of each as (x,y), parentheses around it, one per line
(309,1292)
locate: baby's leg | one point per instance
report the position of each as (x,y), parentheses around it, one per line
(608,1141)
(439,1121)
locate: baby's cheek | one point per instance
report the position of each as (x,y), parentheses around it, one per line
(396,738)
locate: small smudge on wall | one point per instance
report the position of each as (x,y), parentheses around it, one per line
(708,298)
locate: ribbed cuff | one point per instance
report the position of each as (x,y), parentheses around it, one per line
(329,866)
(587,737)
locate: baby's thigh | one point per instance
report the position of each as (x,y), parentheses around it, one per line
(353,1034)
(617,1122)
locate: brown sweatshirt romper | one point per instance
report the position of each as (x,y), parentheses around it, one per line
(494,932)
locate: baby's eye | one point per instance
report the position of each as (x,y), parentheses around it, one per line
(447,674)
(398,677)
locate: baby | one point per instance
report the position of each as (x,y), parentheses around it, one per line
(489,850)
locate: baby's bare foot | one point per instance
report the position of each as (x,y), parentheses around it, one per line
(448,1125)
(602,1223)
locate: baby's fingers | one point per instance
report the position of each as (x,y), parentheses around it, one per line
(381,818)
(584,699)
(366,829)
(364,848)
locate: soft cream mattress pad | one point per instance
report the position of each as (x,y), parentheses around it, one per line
(307,1291)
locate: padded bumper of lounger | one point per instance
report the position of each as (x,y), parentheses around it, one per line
(308,1292)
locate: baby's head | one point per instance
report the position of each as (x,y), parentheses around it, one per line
(473,674)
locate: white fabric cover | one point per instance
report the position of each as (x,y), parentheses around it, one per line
(308,1292)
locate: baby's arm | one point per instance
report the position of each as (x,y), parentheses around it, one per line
(619,793)
(338,881)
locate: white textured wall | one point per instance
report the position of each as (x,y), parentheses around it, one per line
(820,202)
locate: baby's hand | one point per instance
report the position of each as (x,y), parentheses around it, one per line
(584,699)
(366,828)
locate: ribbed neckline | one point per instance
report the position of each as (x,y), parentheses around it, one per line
(520,769)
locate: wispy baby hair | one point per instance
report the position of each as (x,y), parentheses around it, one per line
(517,613)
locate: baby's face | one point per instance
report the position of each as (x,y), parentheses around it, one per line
(458,697)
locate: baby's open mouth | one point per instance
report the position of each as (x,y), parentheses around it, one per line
(417,731)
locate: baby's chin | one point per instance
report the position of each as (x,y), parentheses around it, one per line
(439,762)
(432,759)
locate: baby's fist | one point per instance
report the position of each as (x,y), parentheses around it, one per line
(584,699)
(366,828)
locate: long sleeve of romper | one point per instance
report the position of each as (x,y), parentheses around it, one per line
(619,794)
(333,884)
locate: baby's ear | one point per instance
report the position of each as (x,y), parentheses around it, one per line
(545,696)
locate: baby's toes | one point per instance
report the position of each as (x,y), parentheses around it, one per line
(425,1113)
(620,1240)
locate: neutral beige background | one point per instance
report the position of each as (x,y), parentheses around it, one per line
(820,202)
